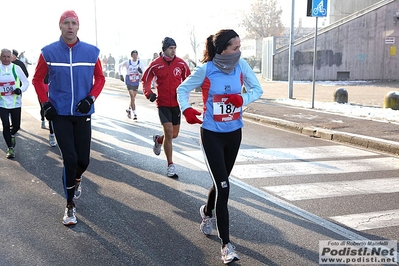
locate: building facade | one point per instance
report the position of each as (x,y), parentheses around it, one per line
(360,46)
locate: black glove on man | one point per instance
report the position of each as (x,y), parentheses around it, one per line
(18,91)
(49,111)
(121,78)
(139,70)
(84,105)
(152,97)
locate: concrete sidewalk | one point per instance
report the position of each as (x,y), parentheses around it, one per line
(378,135)
(365,93)
(372,134)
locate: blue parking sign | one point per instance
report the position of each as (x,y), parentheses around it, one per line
(317,8)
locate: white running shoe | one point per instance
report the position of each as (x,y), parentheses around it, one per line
(229,254)
(157,146)
(52,141)
(69,215)
(78,189)
(43,124)
(206,224)
(171,172)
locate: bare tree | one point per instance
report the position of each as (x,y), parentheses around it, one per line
(193,41)
(263,20)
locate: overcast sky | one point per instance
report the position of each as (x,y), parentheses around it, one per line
(123,26)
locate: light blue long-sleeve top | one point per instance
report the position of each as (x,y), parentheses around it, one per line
(216,86)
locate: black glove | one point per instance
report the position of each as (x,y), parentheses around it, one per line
(139,70)
(84,105)
(18,91)
(121,78)
(49,111)
(152,97)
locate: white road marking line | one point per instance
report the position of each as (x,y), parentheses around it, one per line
(369,220)
(315,167)
(304,153)
(335,189)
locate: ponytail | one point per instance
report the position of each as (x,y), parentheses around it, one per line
(210,50)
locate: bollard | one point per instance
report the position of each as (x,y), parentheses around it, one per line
(391,100)
(341,96)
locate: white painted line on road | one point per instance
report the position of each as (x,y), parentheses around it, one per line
(369,220)
(303,153)
(315,167)
(335,189)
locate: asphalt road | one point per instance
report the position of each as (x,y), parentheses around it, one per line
(130,213)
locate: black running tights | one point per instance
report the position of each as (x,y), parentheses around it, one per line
(73,134)
(220,152)
(15,115)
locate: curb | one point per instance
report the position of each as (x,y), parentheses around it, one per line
(354,139)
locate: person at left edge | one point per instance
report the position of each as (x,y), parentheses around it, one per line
(75,80)
(11,98)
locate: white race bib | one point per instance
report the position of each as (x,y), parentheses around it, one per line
(7,88)
(224,112)
(134,77)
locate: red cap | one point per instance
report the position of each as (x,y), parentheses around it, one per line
(69,14)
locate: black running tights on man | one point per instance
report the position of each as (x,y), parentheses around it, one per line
(15,115)
(73,135)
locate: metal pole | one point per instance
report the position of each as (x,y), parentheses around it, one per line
(291,55)
(314,62)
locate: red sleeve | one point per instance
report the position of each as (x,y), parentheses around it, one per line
(147,80)
(38,79)
(99,80)
(187,71)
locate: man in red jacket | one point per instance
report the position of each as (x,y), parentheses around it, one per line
(169,71)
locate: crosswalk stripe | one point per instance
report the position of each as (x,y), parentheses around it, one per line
(314,167)
(303,153)
(335,189)
(369,220)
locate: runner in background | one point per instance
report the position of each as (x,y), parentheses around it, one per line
(169,71)
(134,69)
(51,137)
